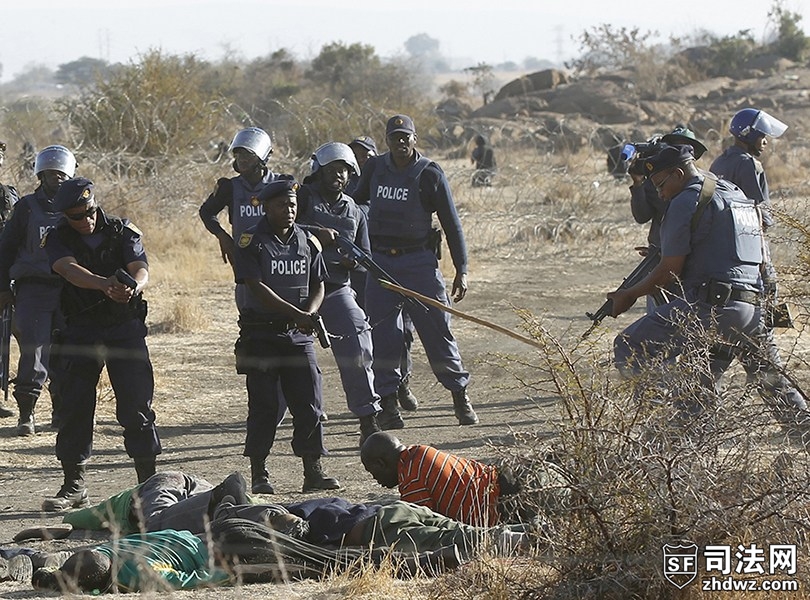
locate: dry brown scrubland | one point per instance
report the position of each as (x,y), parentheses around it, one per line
(546,242)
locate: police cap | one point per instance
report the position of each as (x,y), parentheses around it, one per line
(366,141)
(399,123)
(667,157)
(279,187)
(73,192)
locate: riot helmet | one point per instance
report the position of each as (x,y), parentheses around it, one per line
(331,152)
(254,139)
(55,158)
(750,124)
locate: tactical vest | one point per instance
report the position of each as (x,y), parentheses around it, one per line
(395,208)
(247,209)
(316,211)
(91,307)
(284,267)
(731,251)
(32,260)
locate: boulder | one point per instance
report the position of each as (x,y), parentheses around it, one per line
(533,82)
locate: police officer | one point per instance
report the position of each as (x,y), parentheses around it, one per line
(364,147)
(251,149)
(24,261)
(104,265)
(645,203)
(711,240)
(739,164)
(322,204)
(283,270)
(8,198)
(403,190)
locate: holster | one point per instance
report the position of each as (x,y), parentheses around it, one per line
(434,241)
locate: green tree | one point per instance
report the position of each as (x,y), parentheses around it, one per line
(150,108)
(791,42)
(483,79)
(81,72)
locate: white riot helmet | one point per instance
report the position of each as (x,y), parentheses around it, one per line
(55,158)
(254,139)
(331,152)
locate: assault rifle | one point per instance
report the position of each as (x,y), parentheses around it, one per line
(5,349)
(643,269)
(350,250)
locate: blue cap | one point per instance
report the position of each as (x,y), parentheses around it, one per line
(73,192)
(366,141)
(668,157)
(399,123)
(279,187)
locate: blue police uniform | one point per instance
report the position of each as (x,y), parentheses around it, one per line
(721,285)
(269,349)
(342,315)
(746,172)
(24,261)
(401,204)
(101,332)
(241,199)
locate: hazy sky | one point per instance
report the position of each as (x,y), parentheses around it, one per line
(54,32)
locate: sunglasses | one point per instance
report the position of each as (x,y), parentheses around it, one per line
(88,214)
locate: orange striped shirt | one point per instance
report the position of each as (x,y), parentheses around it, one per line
(463,489)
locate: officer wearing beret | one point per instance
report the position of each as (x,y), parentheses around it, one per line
(104,265)
(403,190)
(283,270)
(24,261)
(711,240)
(364,147)
(645,203)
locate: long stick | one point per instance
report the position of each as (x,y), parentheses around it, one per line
(433,302)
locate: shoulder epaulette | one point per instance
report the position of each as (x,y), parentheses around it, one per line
(134,228)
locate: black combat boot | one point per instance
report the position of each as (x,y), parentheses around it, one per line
(25,424)
(259,477)
(390,418)
(72,494)
(144,467)
(368,425)
(463,409)
(405,396)
(315,478)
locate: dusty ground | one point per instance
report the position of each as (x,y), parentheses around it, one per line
(201,402)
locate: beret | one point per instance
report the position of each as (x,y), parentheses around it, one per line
(73,192)
(279,187)
(666,158)
(400,123)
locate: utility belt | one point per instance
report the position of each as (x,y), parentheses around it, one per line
(401,251)
(720,293)
(252,324)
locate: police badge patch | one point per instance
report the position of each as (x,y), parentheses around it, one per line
(244,240)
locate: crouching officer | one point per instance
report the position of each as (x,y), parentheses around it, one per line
(284,272)
(105,269)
